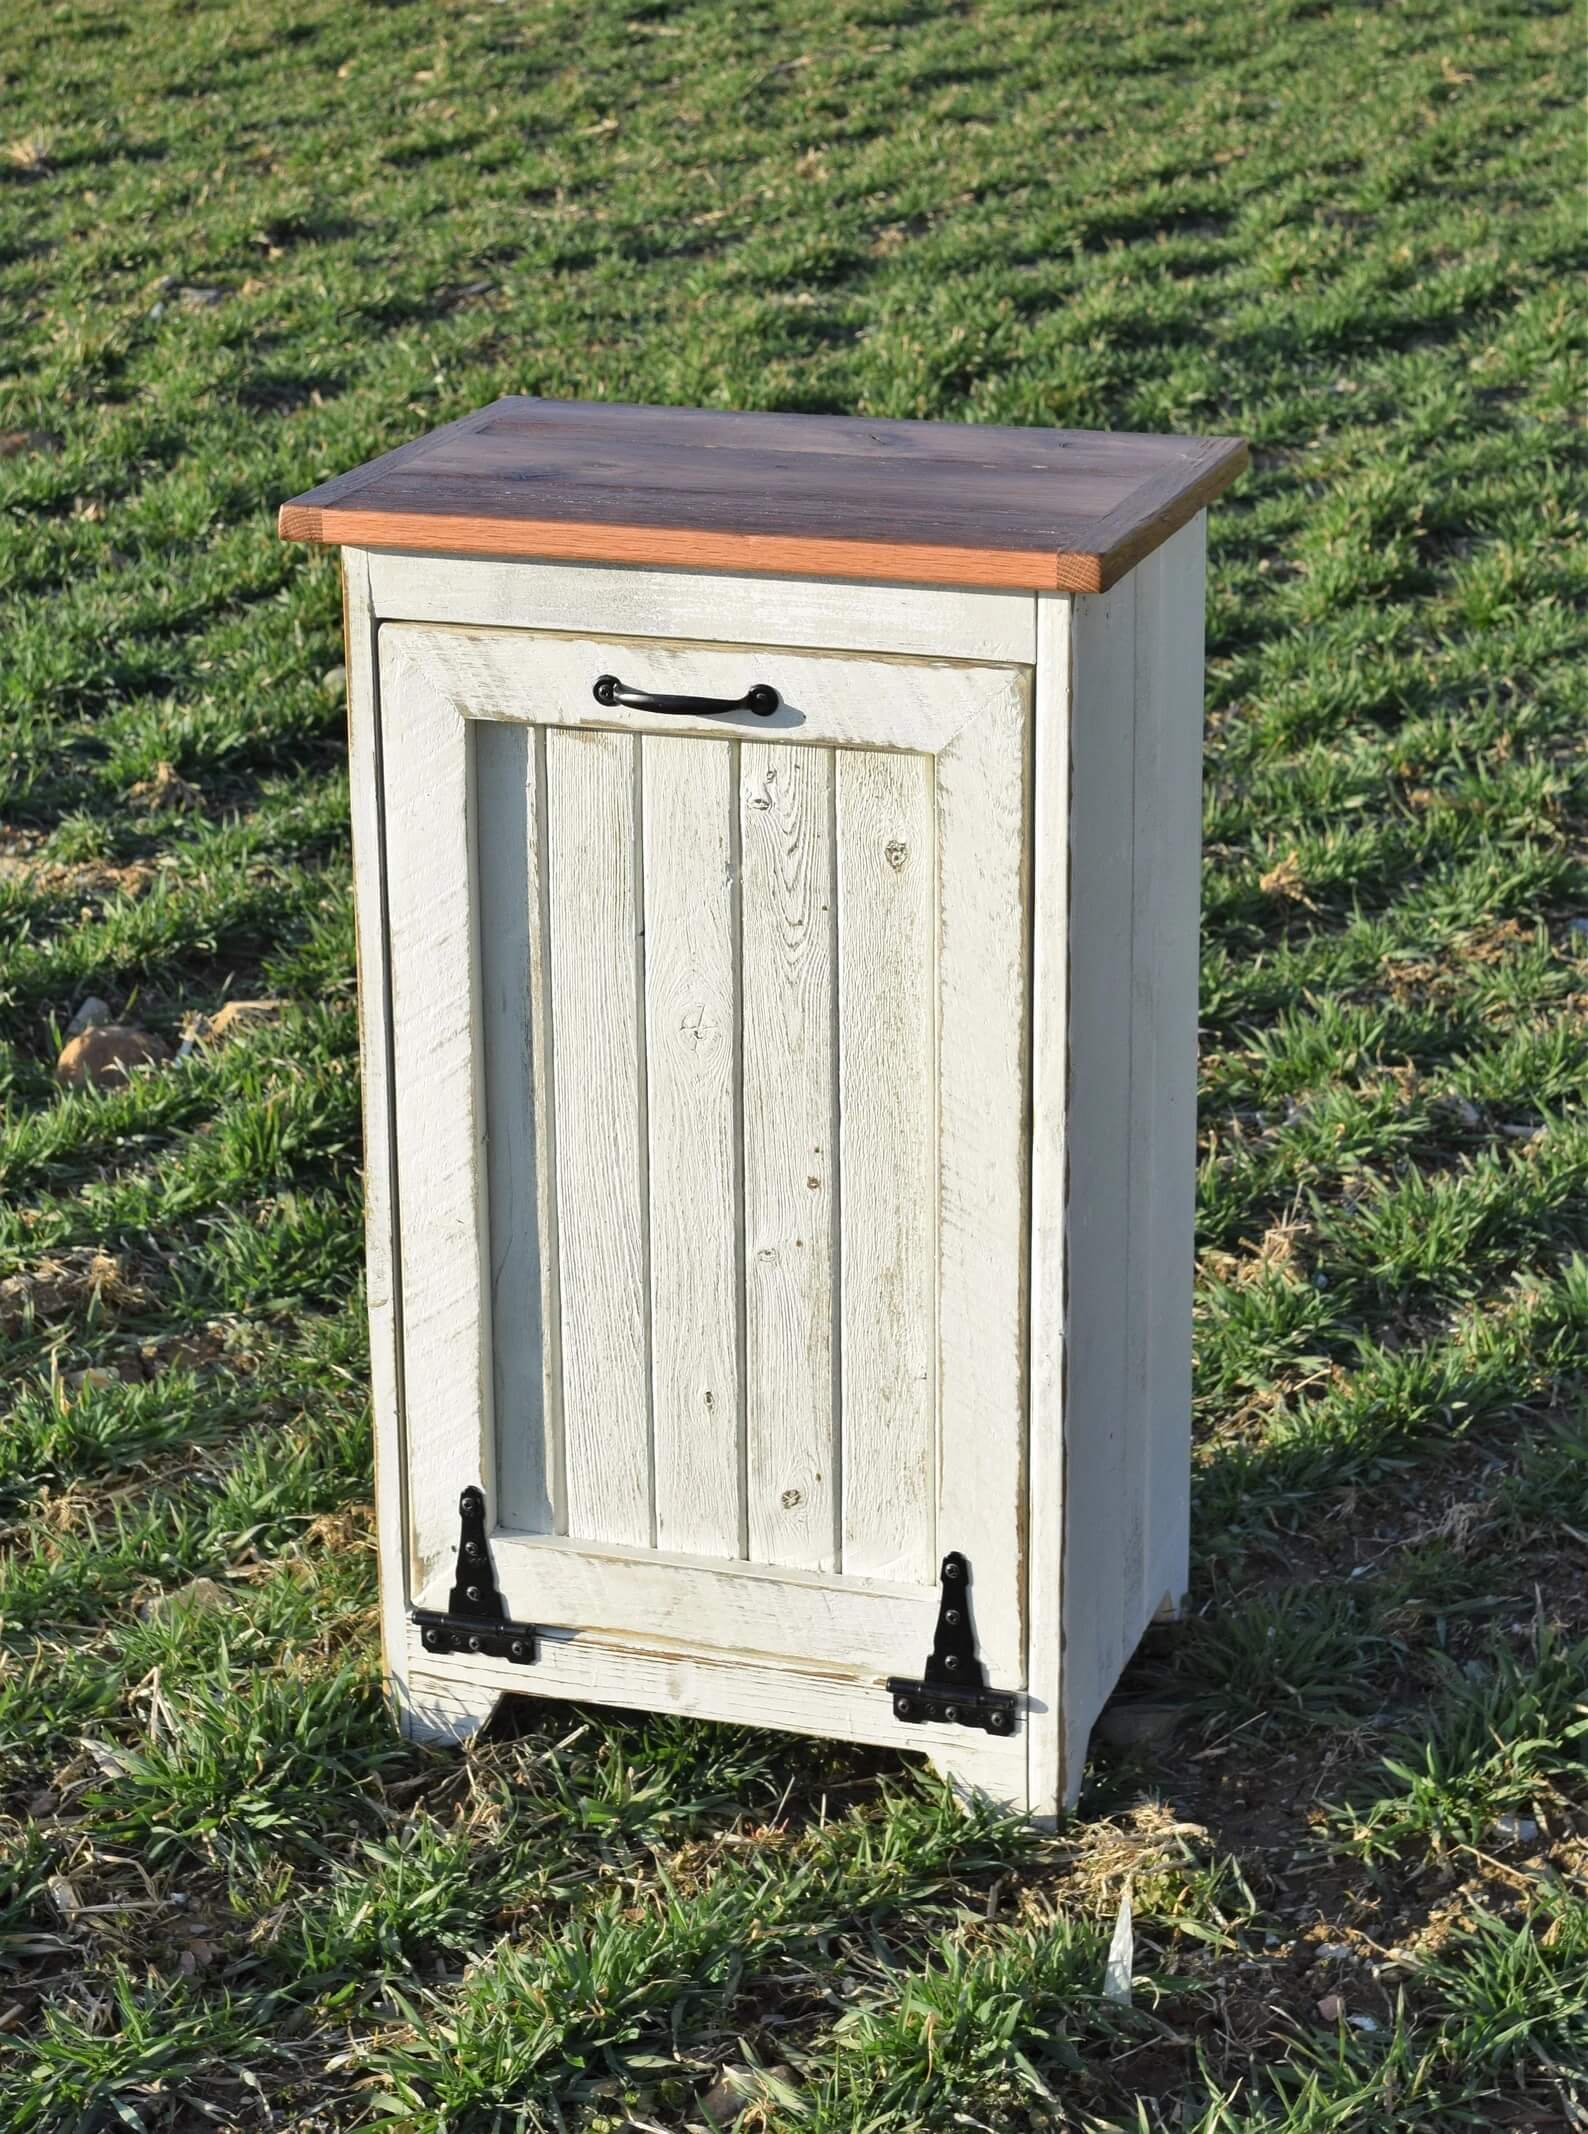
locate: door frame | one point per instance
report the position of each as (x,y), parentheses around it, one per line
(973,720)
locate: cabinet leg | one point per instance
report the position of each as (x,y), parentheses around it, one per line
(442,1713)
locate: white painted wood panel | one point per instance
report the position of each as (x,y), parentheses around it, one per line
(912,872)
(382,1271)
(440,1112)
(871,1625)
(1049,1782)
(790,1152)
(734,1688)
(509,918)
(838,699)
(691,1031)
(983,1038)
(884,837)
(722,607)
(1170,601)
(1102,1487)
(593,820)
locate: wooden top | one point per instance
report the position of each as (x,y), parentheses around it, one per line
(818,496)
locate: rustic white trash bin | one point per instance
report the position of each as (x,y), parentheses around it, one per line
(776,842)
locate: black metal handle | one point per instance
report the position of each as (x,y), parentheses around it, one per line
(762,699)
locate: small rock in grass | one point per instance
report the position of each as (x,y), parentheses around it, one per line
(107,1053)
(334,681)
(198,296)
(1331,2008)
(237,1017)
(1514,1829)
(92,1379)
(13,443)
(1334,1952)
(203,1595)
(91,1011)
(729,2097)
(65,1898)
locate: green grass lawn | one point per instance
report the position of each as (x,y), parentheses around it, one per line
(242,248)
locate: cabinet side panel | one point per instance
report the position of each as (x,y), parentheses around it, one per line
(1051,1786)
(790,1152)
(1167,898)
(691,1030)
(593,806)
(883,835)
(1103,1518)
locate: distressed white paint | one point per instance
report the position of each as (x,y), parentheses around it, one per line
(691,1074)
(1164,964)
(593,829)
(1050,1046)
(440,1109)
(721,607)
(667,899)
(382,1274)
(886,1042)
(790,1152)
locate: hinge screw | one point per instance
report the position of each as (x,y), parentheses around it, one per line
(951,1662)
(902,1707)
(951,1617)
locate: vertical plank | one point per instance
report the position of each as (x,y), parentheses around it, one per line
(790,1153)
(886,1044)
(1050,965)
(593,826)
(440,1109)
(1102,1520)
(1164,968)
(982,989)
(691,1073)
(543,1084)
(381,1253)
(508,918)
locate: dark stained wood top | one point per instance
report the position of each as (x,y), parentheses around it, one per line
(819,496)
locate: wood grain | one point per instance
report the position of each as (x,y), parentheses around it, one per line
(982,1036)
(691,1075)
(1103,1526)
(790,1153)
(440,1110)
(804,496)
(885,841)
(707,606)
(592,809)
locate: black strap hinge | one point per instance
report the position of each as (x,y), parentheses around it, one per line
(475,1619)
(954,1687)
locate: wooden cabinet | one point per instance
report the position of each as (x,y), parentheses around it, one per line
(777,927)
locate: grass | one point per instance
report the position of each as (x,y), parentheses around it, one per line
(241,249)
